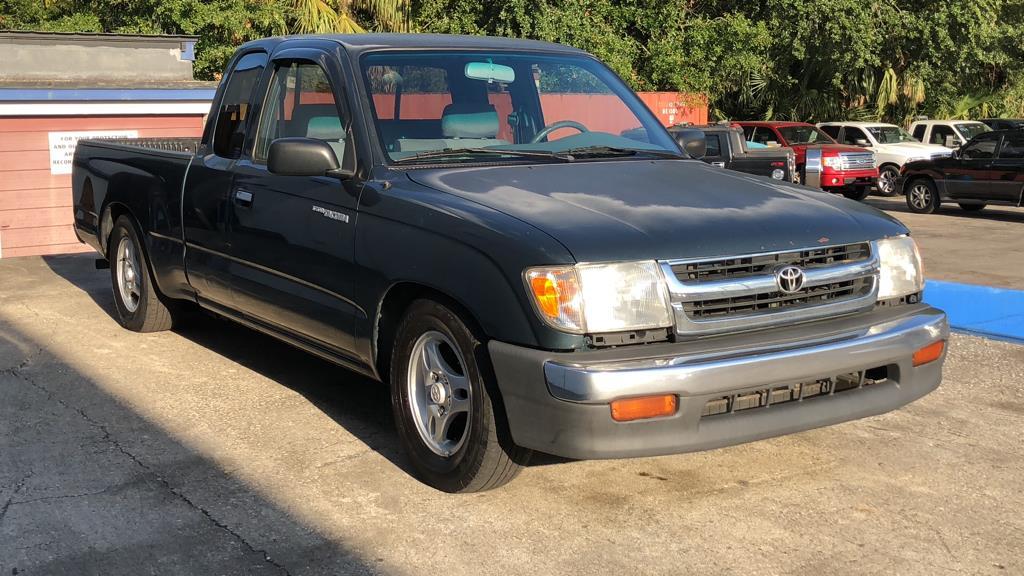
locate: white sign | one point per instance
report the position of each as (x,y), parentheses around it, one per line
(62,146)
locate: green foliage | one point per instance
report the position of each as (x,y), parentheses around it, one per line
(781,59)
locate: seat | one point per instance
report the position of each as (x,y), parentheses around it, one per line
(321,121)
(463,125)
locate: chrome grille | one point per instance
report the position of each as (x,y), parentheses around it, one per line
(857,160)
(731,268)
(713,296)
(769,301)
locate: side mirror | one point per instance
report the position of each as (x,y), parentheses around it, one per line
(862,143)
(301,157)
(691,141)
(951,142)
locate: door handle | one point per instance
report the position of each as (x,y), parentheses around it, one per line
(243,197)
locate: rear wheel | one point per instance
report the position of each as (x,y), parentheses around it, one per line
(887,177)
(922,197)
(973,207)
(139,306)
(444,399)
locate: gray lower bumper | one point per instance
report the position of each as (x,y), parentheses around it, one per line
(558,402)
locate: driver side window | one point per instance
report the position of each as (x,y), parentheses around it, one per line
(300,103)
(851,135)
(980,149)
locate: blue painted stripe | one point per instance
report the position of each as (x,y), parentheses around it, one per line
(87,95)
(984,310)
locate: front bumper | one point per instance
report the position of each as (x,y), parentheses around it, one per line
(558,403)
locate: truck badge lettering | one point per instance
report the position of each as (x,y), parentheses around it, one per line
(332,214)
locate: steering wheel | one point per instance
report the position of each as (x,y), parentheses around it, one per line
(547,130)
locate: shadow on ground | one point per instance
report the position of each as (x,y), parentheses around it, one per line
(89,486)
(992,212)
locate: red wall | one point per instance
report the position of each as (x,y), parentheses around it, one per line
(35,206)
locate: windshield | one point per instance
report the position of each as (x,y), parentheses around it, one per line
(971,129)
(890,134)
(443,106)
(805,135)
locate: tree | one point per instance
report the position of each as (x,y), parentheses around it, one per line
(326,16)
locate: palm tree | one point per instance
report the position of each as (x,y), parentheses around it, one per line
(326,16)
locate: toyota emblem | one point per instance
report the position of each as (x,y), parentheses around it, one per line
(790,279)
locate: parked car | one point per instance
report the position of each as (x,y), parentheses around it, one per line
(948,133)
(540,284)
(892,146)
(725,147)
(987,170)
(821,162)
(1003,123)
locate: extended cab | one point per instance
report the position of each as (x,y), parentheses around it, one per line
(821,162)
(892,146)
(725,147)
(948,133)
(463,219)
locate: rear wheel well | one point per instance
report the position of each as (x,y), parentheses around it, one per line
(111,213)
(396,301)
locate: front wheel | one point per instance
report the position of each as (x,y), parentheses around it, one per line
(444,400)
(858,193)
(887,178)
(922,197)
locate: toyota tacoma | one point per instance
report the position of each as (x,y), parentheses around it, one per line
(463,219)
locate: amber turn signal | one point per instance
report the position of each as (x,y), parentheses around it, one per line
(644,407)
(929,353)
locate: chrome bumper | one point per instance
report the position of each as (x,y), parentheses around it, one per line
(722,372)
(559,402)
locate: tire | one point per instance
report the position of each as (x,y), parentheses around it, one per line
(858,193)
(887,177)
(139,305)
(973,207)
(922,197)
(449,418)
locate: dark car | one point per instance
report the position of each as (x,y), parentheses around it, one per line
(1004,123)
(989,169)
(726,147)
(461,218)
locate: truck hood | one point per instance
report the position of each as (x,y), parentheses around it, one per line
(912,149)
(834,147)
(662,209)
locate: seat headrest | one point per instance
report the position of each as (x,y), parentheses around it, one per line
(325,128)
(469,121)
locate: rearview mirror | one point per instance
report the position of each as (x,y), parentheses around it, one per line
(301,157)
(691,141)
(490,72)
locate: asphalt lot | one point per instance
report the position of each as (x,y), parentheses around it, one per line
(215,450)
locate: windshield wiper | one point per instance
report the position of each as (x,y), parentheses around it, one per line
(455,152)
(616,151)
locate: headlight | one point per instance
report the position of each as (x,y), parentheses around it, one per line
(778,174)
(901,273)
(833,162)
(595,298)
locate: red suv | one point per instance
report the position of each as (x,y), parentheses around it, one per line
(846,169)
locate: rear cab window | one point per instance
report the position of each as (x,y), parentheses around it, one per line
(236,104)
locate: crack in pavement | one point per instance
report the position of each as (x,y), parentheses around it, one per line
(17,488)
(108,438)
